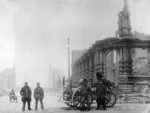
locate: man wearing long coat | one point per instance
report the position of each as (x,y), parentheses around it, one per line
(26,96)
(101,88)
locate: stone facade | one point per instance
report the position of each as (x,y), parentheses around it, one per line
(76,54)
(114,56)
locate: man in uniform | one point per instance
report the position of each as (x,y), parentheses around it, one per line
(38,95)
(85,94)
(26,96)
(101,89)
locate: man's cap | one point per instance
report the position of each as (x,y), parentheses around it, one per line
(85,81)
(80,81)
(99,75)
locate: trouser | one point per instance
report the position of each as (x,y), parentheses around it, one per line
(101,101)
(85,102)
(36,103)
(24,100)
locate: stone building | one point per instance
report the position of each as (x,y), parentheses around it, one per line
(76,54)
(123,59)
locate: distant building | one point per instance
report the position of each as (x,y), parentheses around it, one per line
(7,78)
(55,80)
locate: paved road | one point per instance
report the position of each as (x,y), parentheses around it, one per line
(53,106)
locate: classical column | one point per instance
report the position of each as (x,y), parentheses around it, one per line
(80,67)
(93,65)
(101,62)
(88,67)
(125,64)
(90,64)
(122,77)
(96,61)
(117,66)
(120,54)
(104,55)
(148,56)
(101,57)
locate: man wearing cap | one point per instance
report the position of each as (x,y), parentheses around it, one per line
(26,96)
(85,95)
(101,89)
(38,95)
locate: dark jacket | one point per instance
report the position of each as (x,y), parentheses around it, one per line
(107,83)
(26,92)
(86,90)
(38,93)
(101,89)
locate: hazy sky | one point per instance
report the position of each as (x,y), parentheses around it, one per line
(33,33)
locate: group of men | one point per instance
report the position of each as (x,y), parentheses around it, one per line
(26,96)
(101,88)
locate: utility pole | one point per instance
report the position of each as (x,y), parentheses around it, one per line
(68,59)
(49,77)
(54,78)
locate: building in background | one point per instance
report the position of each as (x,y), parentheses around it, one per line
(75,55)
(8,78)
(55,80)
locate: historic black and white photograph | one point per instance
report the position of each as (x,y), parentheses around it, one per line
(74,56)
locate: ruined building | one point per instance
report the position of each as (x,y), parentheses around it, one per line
(123,59)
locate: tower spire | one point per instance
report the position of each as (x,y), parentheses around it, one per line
(124,27)
(126,5)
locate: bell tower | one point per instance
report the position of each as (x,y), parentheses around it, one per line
(125,58)
(124,25)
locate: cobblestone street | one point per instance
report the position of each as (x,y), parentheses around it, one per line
(52,105)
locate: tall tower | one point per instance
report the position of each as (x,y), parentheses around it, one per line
(126,5)
(124,26)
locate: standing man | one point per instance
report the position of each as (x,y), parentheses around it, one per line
(38,95)
(26,96)
(101,89)
(85,95)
